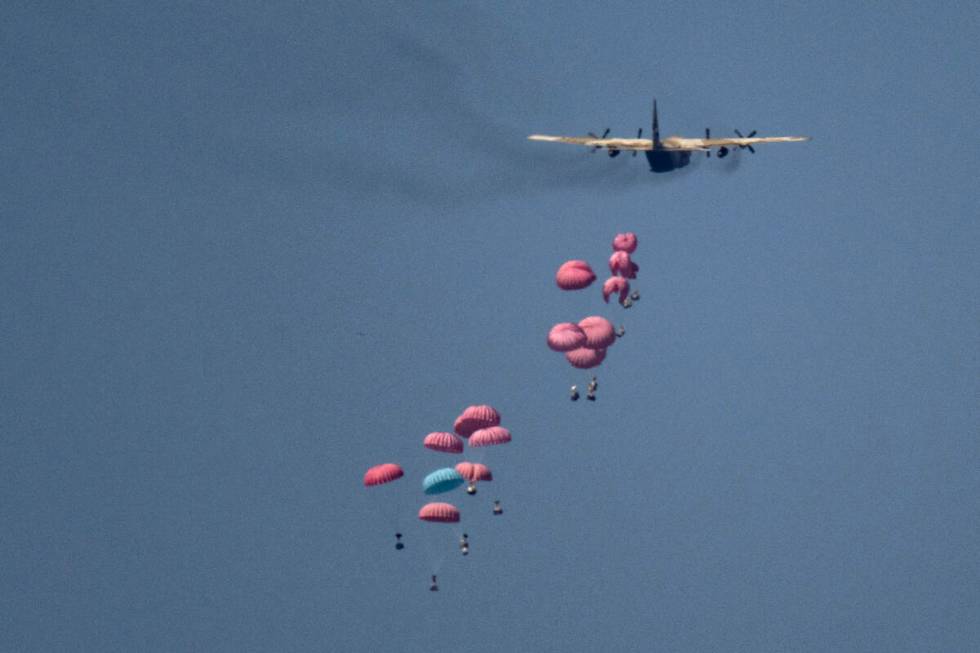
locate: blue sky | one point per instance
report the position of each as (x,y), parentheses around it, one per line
(250,251)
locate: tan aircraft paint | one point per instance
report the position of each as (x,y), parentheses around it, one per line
(676,143)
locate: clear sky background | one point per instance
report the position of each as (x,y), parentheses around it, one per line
(247,252)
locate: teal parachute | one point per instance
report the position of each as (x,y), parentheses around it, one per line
(442,480)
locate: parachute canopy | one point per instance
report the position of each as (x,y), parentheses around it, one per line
(615,285)
(621,264)
(476,417)
(565,336)
(574,275)
(439,512)
(383,474)
(442,480)
(473,472)
(625,242)
(490,436)
(599,332)
(584,358)
(446,442)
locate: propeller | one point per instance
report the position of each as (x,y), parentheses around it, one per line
(639,134)
(598,138)
(751,134)
(707,152)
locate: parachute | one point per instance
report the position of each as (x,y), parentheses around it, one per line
(599,332)
(625,242)
(490,436)
(442,480)
(621,264)
(584,358)
(565,336)
(615,285)
(380,474)
(445,442)
(574,275)
(474,472)
(439,512)
(476,417)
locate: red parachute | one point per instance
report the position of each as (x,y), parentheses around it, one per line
(446,442)
(565,336)
(490,436)
(625,242)
(615,285)
(599,332)
(439,512)
(385,473)
(574,275)
(474,472)
(476,417)
(584,358)
(620,264)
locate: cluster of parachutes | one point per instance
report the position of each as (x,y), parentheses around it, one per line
(476,426)
(622,268)
(577,274)
(584,343)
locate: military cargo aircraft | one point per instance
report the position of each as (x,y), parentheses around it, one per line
(672,152)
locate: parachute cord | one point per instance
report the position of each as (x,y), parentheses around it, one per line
(435,545)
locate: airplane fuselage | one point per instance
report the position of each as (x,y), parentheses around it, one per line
(664,159)
(667,160)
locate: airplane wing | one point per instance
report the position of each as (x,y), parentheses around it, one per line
(588,141)
(719,142)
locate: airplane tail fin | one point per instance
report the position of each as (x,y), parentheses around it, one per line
(656,126)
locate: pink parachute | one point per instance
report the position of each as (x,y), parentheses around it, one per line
(476,417)
(565,335)
(620,263)
(599,333)
(473,472)
(447,442)
(625,242)
(615,285)
(584,358)
(490,436)
(440,512)
(385,473)
(574,275)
